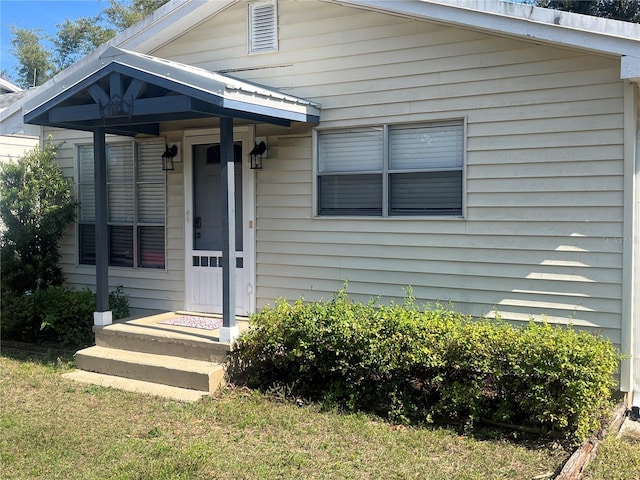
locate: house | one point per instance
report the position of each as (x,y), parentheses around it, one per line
(481,152)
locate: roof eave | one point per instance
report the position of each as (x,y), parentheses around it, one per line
(630,68)
(533,23)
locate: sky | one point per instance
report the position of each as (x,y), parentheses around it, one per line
(43,14)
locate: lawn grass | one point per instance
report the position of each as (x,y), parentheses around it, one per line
(53,428)
(618,458)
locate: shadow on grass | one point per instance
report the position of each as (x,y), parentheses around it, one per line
(478,431)
(46,355)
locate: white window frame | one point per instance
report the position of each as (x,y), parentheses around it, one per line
(385,171)
(262,37)
(136,223)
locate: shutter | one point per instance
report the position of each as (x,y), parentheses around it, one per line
(423,147)
(263,27)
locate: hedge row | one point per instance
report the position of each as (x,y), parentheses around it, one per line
(56,314)
(418,365)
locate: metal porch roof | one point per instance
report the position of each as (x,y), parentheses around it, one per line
(130,93)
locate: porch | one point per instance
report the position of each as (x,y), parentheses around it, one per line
(175,355)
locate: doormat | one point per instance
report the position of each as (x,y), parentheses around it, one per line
(206,323)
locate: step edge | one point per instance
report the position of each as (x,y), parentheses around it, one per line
(136,386)
(169,337)
(147,359)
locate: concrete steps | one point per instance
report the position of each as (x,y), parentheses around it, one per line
(145,357)
(146,339)
(149,367)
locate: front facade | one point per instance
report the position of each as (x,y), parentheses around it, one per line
(451,154)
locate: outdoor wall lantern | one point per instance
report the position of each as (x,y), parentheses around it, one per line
(256,155)
(168,156)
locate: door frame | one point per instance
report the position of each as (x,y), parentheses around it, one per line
(245,134)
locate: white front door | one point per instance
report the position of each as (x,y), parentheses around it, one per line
(203,222)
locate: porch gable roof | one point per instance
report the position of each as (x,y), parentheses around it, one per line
(129,93)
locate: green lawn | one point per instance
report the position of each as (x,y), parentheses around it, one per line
(54,428)
(618,458)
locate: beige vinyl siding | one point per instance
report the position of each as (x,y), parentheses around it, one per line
(13,147)
(148,289)
(542,233)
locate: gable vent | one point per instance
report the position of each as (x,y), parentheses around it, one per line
(263,27)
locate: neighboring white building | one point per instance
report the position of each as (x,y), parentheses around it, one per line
(13,139)
(8,87)
(483,153)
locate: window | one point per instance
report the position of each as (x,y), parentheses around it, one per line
(392,170)
(135,205)
(263,27)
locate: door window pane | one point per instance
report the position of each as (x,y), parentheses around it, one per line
(207,231)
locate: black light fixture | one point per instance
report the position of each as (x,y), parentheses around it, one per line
(168,156)
(256,155)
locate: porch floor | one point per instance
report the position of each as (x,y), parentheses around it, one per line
(145,355)
(152,325)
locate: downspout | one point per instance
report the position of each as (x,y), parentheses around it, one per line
(635,400)
(630,321)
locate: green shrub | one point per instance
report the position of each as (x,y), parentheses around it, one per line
(419,365)
(57,314)
(37,206)
(66,316)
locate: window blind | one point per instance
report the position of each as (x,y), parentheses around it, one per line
(150,183)
(86,189)
(355,150)
(426,146)
(135,204)
(350,194)
(425,193)
(412,169)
